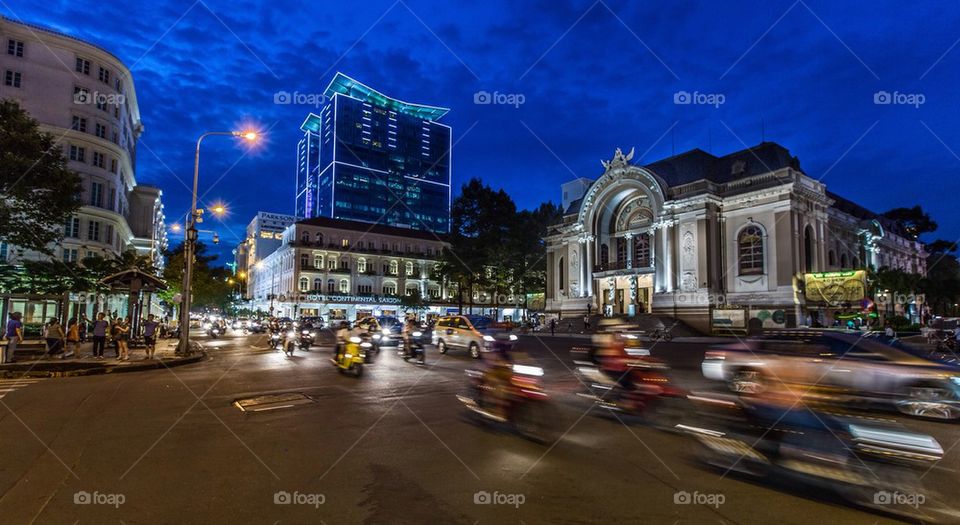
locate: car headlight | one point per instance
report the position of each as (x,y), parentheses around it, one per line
(528,370)
(291,333)
(305,332)
(376,336)
(513,337)
(354,339)
(365,345)
(489,338)
(417,334)
(385,331)
(348,356)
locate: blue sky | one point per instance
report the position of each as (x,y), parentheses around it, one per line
(593,75)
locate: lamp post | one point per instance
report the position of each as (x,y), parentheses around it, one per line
(191,238)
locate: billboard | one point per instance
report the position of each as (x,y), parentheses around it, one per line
(835,288)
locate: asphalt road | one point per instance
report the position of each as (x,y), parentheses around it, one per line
(395,446)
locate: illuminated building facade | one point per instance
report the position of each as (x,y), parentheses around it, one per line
(371,158)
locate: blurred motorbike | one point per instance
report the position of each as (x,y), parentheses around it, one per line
(413,347)
(214,331)
(306,340)
(519,401)
(870,464)
(353,356)
(645,391)
(276,339)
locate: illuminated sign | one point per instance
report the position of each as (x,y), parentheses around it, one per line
(335,298)
(835,287)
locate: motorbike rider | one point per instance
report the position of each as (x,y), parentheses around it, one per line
(342,335)
(497,378)
(409,328)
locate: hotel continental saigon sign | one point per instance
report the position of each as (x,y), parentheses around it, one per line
(337,298)
(835,288)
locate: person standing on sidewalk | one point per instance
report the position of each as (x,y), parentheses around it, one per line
(586,323)
(14,335)
(54,336)
(122,335)
(553,326)
(150,335)
(73,338)
(99,335)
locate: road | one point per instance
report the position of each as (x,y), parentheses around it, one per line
(170,446)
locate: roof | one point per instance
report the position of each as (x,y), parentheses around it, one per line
(123,279)
(697,164)
(368,227)
(345,85)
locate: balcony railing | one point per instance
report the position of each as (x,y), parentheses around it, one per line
(620,265)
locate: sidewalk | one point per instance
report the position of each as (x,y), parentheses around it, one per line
(31,362)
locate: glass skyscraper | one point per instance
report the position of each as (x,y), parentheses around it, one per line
(368,157)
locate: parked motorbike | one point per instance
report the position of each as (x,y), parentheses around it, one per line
(524,403)
(353,356)
(646,391)
(868,463)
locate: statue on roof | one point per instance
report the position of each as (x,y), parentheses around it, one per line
(619,160)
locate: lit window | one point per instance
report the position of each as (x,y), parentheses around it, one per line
(344,286)
(750,250)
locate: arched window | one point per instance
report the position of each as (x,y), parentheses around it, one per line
(393,267)
(318,261)
(843,261)
(317,284)
(319,238)
(344,286)
(831,258)
(331,286)
(808,249)
(304,259)
(641,250)
(389,289)
(621,250)
(361,265)
(409,268)
(304,284)
(750,250)
(305,237)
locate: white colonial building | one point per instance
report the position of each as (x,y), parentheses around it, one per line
(84,96)
(344,270)
(695,235)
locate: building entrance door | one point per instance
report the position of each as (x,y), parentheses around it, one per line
(621,306)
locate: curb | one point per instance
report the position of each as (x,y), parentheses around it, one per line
(103,369)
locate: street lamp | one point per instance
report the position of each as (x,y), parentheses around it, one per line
(191,238)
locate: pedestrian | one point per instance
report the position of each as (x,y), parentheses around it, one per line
(115,335)
(54,336)
(569,327)
(889,332)
(73,338)
(553,326)
(82,328)
(14,333)
(586,323)
(122,337)
(150,335)
(99,335)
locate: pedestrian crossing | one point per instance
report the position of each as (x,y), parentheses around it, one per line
(11,385)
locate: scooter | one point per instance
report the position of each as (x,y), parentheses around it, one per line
(526,402)
(653,396)
(353,356)
(413,348)
(214,332)
(275,340)
(306,340)
(290,343)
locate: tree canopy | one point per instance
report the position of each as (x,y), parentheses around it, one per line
(913,221)
(38,190)
(209,283)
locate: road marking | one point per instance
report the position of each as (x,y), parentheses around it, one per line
(10,385)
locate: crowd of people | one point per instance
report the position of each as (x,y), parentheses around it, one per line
(102,332)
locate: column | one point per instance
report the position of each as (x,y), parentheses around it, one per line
(628,239)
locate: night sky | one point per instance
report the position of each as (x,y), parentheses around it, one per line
(593,77)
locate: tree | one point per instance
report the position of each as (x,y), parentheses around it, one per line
(210,286)
(413,301)
(39,192)
(913,221)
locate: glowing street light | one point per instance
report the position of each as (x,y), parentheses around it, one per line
(191,237)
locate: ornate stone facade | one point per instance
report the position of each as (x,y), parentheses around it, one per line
(691,232)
